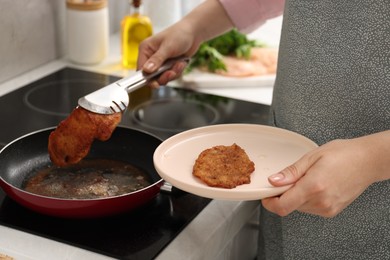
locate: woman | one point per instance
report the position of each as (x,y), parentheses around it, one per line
(333,86)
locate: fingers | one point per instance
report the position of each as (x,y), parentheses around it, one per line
(154,84)
(156,50)
(296,196)
(303,201)
(152,57)
(153,63)
(292,173)
(286,203)
(155,57)
(286,176)
(169,75)
(163,79)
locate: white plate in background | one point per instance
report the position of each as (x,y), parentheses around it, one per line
(199,79)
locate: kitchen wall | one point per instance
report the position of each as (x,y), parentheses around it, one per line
(162,12)
(27,30)
(33,32)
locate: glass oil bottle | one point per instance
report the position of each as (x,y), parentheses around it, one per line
(135,27)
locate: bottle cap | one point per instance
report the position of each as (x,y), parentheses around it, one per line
(137,3)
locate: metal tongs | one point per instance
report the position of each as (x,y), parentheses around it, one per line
(114,98)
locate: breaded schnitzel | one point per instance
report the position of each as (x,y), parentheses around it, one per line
(72,139)
(224,166)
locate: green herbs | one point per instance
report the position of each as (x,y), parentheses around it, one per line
(232,43)
(207,56)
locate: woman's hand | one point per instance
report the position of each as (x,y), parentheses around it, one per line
(183,38)
(329,178)
(173,42)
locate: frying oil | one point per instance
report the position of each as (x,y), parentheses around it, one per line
(135,27)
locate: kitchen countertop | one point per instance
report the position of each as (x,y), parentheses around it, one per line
(206,235)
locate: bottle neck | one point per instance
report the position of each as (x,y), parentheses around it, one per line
(135,10)
(135,7)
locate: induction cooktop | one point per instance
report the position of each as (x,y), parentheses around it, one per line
(163,112)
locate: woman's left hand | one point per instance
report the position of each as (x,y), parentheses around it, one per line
(329,178)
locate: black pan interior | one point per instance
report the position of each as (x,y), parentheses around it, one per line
(22,157)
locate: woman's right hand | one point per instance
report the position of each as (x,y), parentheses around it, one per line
(183,38)
(177,40)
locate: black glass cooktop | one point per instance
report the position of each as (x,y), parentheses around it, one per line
(141,233)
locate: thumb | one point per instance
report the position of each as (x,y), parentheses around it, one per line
(152,64)
(155,61)
(291,174)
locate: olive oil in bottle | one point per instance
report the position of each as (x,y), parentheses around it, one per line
(135,27)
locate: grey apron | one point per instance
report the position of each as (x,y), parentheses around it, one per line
(333,82)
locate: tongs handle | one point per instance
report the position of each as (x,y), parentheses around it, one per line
(141,78)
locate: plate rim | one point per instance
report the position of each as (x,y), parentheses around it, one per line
(221,193)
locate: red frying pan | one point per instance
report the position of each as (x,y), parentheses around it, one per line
(20,158)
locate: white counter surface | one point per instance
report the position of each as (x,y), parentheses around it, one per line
(204,238)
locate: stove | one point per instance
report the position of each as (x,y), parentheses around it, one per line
(141,233)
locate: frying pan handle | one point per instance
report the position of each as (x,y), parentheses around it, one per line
(170,189)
